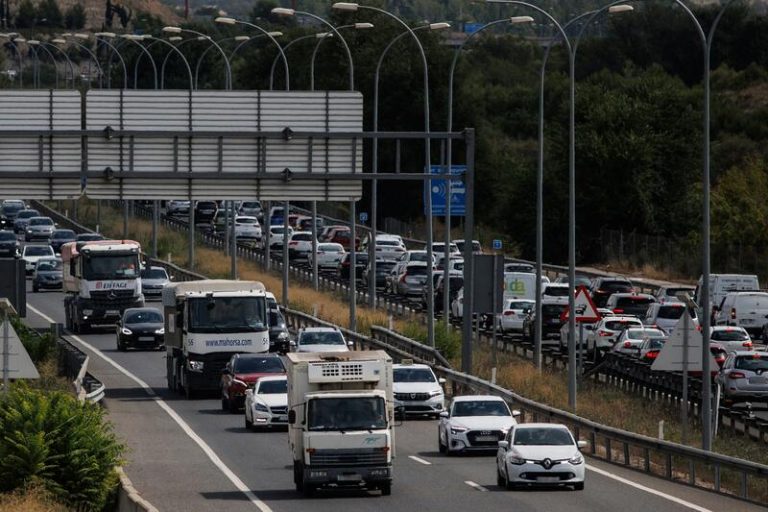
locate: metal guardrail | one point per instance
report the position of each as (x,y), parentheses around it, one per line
(73,364)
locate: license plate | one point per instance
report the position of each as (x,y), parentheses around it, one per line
(112,312)
(282,418)
(146,338)
(349,478)
(547,479)
(758,380)
(481,439)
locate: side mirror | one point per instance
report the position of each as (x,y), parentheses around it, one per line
(581,444)
(441,381)
(516,413)
(504,444)
(350,343)
(291,417)
(445,414)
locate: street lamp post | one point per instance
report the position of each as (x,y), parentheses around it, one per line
(271,35)
(240,39)
(103,38)
(35,44)
(179,30)
(285,48)
(137,39)
(12,39)
(85,37)
(353,7)
(54,44)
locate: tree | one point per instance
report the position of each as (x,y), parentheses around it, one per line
(26,17)
(49,14)
(74,18)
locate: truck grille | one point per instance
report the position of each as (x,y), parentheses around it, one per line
(415,397)
(355,457)
(112,299)
(476,437)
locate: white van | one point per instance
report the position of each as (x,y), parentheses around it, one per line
(519,285)
(744,309)
(721,284)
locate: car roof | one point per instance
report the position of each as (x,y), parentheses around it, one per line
(412,365)
(146,308)
(622,295)
(261,355)
(621,318)
(270,378)
(472,398)
(750,353)
(319,329)
(541,425)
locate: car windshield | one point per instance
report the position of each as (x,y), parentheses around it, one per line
(729,335)
(64,234)
(258,365)
(303,237)
(89,237)
(321,338)
(390,243)
(670,312)
(335,248)
(7,235)
(38,250)
(655,343)
(616,286)
(251,204)
(144,317)
(111,266)
(417,270)
(273,387)
(413,375)
(153,273)
(556,291)
(553,310)
(248,221)
(27,214)
(48,265)
(542,437)
(618,325)
(755,363)
(346,413)
(12,207)
(227,314)
(642,333)
(275,318)
(40,221)
(418,256)
(481,408)
(519,305)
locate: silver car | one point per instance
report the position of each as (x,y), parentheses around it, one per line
(39,228)
(153,280)
(412,279)
(744,376)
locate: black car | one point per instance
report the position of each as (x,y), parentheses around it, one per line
(60,237)
(89,237)
(205,211)
(9,211)
(361,261)
(278,333)
(140,328)
(383,267)
(48,275)
(456,284)
(9,244)
(604,287)
(306,224)
(551,321)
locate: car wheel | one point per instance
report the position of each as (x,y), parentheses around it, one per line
(507,484)
(233,409)
(500,478)
(35,289)
(440,446)
(386,488)
(248,424)
(579,486)
(224,404)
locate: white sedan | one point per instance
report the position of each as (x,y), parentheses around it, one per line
(513,314)
(247,228)
(540,454)
(328,256)
(474,423)
(266,403)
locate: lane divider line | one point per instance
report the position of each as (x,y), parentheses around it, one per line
(174,415)
(649,490)
(476,486)
(419,459)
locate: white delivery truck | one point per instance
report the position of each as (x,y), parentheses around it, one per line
(102,279)
(341,419)
(519,285)
(721,284)
(205,323)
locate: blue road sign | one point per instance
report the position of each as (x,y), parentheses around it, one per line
(363,217)
(440,191)
(471,28)
(496,245)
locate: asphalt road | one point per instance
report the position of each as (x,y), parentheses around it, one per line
(174,471)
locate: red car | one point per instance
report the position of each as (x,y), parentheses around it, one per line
(242,371)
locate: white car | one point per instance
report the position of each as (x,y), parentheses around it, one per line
(732,338)
(630,340)
(251,208)
(247,228)
(177,207)
(328,256)
(604,333)
(665,315)
(513,314)
(276,235)
(744,309)
(540,454)
(417,390)
(457,304)
(438,250)
(321,339)
(555,291)
(266,403)
(39,228)
(300,244)
(31,254)
(476,247)
(474,423)
(410,256)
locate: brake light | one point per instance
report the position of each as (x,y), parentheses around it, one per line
(402,278)
(509,313)
(617,310)
(604,333)
(733,313)
(747,344)
(627,344)
(652,354)
(293,243)
(736,375)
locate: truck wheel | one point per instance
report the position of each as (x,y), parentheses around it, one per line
(120,346)
(298,477)
(386,488)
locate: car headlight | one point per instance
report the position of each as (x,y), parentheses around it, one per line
(126,331)
(437,392)
(260,407)
(282,336)
(515,459)
(195,366)
(576,459)
(160,331)
(458,430)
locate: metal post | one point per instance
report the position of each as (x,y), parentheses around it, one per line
(572,236)
(581,349)
(98,215)
(315,276)
(706,392)
(446,256)
(352,268)
(267,237)
(191,243)
(469,224)
(6,355)
(233,241)
(286,262)
(684,406)
(155,214)
(494,311)
(226,227)
(125,219)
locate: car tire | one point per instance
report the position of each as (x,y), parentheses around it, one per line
(224,404)
(500,481)
(579,486)
(248,424)
(440,446)
(35,289)
(507,484)
(386,488)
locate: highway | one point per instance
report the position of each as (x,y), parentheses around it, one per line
(189,455)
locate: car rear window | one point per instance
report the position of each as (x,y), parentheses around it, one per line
(552,309)
(617,325)
(38,250)
(556,291)
(417,270)
(670,312)
(330,248)
(153,273)
(302,237)
(519,305)
(7,235)
(63,233)
(752,301)
(729,335)
(616,286)
(753,363)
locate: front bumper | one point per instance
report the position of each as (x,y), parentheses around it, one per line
(142,340)
(51,285)
(152,292)
(267,419)
(433,405)
(468,441)
(563,472)
(347,476)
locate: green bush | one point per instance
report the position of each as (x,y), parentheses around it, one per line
(449,344)
(39,347)
(53,440)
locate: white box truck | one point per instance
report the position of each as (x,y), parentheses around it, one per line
(721,284)
(341,419)
(206,322)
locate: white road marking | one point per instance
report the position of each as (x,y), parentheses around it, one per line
(475,486)
(183,424)
(660,494)
(419,459)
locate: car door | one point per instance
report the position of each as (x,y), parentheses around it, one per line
(501,453)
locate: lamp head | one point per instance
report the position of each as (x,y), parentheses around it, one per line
(225,20)
(363,26)
(283,11)
(173,39)
(346,6)
(33,42)
(276,33)
(517,20)
(58,41)
(240,39)
(439,26)
(616,9)
(172,30)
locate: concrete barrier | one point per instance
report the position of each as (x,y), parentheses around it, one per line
(129,499)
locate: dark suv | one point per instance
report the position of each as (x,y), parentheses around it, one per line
(551,321)
(604,287)
(205,211)
(9,244)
